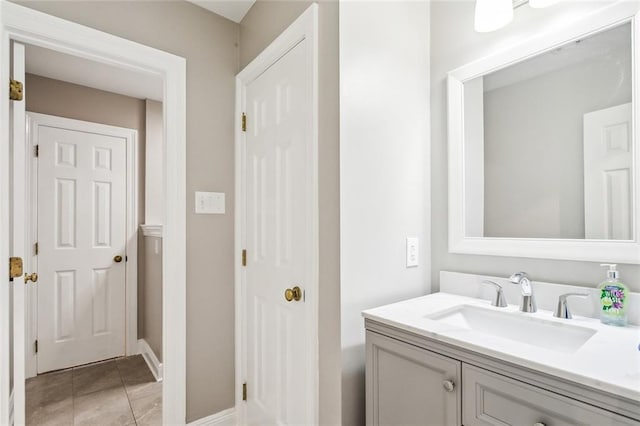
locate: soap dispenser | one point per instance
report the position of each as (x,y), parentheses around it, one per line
(613,295)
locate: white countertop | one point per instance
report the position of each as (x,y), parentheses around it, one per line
(609,360)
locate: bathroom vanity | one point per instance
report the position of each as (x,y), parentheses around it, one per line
(447,359)
(519,186)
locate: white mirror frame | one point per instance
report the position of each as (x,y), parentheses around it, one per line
(623,251)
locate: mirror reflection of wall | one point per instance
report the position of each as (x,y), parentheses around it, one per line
(549,143)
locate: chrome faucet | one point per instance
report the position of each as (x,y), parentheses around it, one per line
(499,299)
(528,303)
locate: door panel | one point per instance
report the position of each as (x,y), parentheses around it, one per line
(81,228)
(607,173)
(279,234)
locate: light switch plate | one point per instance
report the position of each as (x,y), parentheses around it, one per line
(413,252)
(210,202)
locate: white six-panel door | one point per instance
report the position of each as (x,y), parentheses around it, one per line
(279,236)
(607,173)
(82,179)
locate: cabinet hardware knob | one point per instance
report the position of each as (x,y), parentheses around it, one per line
(30,277)
(449,386)
(117,259)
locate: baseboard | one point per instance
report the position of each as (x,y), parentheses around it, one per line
(223,418)
(152,360)
(11,407)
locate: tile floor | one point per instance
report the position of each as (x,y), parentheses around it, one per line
(115,392)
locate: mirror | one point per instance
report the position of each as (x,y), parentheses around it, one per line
(556,136)
(542,143)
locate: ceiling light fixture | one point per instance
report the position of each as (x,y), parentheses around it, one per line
(493,14)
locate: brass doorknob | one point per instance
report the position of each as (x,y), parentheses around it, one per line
(293,294)
(30,277)
(117,259)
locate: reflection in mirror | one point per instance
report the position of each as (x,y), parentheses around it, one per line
(548,144)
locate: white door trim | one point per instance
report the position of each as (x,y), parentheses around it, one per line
(29,26)
(131,266)
(305,27)
(19,223)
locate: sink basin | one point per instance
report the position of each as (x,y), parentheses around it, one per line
(533,331)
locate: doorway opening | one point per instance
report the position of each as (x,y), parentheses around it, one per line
(83,310)
(113,56)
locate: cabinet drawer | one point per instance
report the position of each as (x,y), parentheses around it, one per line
(492,399)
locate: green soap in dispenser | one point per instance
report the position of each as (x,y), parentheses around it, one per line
(613,297)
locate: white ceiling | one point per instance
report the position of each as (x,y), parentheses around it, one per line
(230,9)
(72,69)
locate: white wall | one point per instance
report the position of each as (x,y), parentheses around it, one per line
(384,173)
(455,43)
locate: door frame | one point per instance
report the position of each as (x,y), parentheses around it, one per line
(26,25)
(304,27)
(131,219)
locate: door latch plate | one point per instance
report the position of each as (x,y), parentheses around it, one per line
(15,90)
(15,267)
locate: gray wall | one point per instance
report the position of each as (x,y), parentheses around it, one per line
(455,43)
(154,191)
(208,42)
(540,122)
(265,20)
(151,294)
(150,248)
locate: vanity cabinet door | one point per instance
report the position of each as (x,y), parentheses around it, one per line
(407,385)
(492,399)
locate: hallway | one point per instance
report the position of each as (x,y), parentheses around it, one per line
(119,392)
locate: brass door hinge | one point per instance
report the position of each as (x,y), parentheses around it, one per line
(36,150)
(244,257)
(37,248)
(15,267)
(244,122)
(15,90)
(36,346)
(244,391)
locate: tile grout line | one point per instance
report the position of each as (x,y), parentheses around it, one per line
(73,372)
(126,392)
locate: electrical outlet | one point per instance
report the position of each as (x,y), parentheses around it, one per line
(412,252)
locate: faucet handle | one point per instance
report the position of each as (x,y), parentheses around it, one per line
(499,300)
(562,309)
